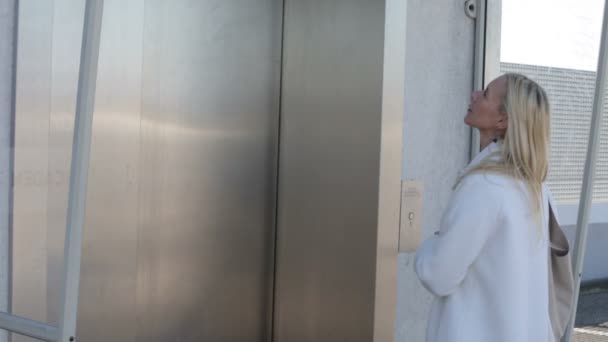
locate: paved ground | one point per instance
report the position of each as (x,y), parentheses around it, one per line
(592,315)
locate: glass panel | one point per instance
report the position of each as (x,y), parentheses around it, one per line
(556,43)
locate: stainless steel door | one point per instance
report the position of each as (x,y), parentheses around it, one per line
(210,91)
(179,233)
(329,170)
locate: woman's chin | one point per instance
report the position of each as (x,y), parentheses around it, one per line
(467,120)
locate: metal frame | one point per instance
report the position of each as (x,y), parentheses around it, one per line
(11,166)
(8,162)
(487,53)
(491,68)
(589,175)
(81,147)
(85,100)
(28,327)
(479,64)
(391,157)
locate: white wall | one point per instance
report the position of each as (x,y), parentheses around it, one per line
(595,267)
(7,25)
(439,77)
(439,71)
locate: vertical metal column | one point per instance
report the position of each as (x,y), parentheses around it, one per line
(8,66)
(78,182)
(81,146)
(391,154)
(478,72)
(589,175)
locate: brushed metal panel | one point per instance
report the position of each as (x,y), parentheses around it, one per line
(180,210)
(33,81)
(410,227)
(329,169)
(210,85)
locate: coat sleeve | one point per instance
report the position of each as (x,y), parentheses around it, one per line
(473,214)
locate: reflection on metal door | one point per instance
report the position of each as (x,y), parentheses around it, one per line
(181,201)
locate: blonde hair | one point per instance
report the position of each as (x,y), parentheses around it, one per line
(526,146)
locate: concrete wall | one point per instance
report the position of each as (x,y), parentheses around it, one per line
(439,78)
(7,67)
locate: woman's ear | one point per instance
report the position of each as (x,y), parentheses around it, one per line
(502,122)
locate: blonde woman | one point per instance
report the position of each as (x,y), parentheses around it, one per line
(488,264)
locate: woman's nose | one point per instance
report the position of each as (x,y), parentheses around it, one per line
(475,95)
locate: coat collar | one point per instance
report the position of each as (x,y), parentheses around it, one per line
(488,152)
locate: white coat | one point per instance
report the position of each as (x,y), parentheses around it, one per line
(488,265)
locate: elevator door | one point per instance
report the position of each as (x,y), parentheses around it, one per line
(179,233)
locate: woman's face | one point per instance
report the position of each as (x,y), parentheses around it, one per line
(484,110)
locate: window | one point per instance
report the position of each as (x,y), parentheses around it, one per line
(556,43)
